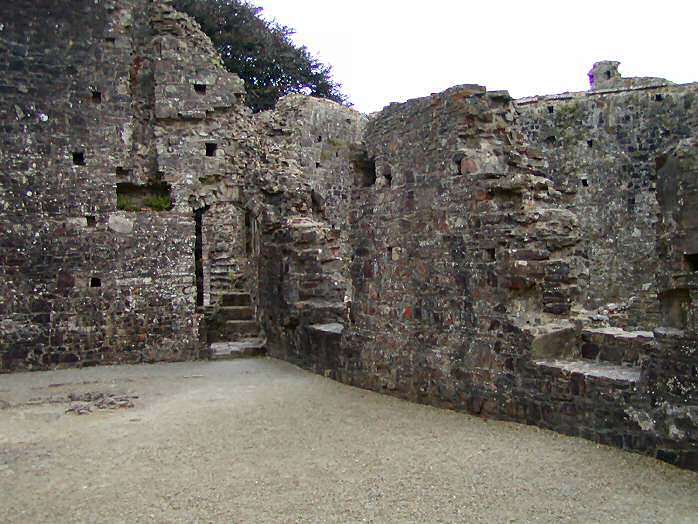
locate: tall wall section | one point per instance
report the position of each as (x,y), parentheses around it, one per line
(673,370)
(206,145)
(107,115)
(312,154)
(601,147)
(461,249)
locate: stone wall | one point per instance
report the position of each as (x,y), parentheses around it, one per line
(302,197)
(107,152)
(672,371)
(466,269)
(532,261)
(206,143)
(69,299)
(461,247)
(677,235)
(601,149)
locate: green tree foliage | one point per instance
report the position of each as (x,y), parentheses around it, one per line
(261,53)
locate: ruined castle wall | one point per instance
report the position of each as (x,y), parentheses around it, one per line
(93,271)
(68,116)
(673,368)
(206,142)
(457,254)
(601,148)
(677,233)
(444,251)
(465,269)
(304,186)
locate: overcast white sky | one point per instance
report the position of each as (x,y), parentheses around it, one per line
(386,51)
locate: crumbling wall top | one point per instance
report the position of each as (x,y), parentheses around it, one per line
(605,75)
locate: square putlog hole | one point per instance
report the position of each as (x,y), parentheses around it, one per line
(211,149)
(200,88)
(78,158)
(95,282)
(691,260)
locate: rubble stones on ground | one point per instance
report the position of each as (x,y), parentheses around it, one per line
(86,403)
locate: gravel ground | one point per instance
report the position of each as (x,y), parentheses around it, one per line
(262,441)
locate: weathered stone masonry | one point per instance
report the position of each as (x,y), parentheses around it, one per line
(98,118)
(602,148)
(309,157)
(531,260)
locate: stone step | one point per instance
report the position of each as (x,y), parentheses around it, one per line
(232,330)
(235,313)
(248,347)
(241,327)
(321,310)
(222,270)
(235,299)
(586,378)
(221,283)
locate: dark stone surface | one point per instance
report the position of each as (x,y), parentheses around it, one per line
(80,281)
(529,260)
(604,160)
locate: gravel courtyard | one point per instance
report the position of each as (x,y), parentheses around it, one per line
(262,441)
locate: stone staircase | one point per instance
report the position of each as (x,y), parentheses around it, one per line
(232,329)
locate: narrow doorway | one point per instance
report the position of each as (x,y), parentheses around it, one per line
(199,255)
(248,234)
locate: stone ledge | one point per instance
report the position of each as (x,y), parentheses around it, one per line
(249,347)
(593,369)
(620,333)
(334,328)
